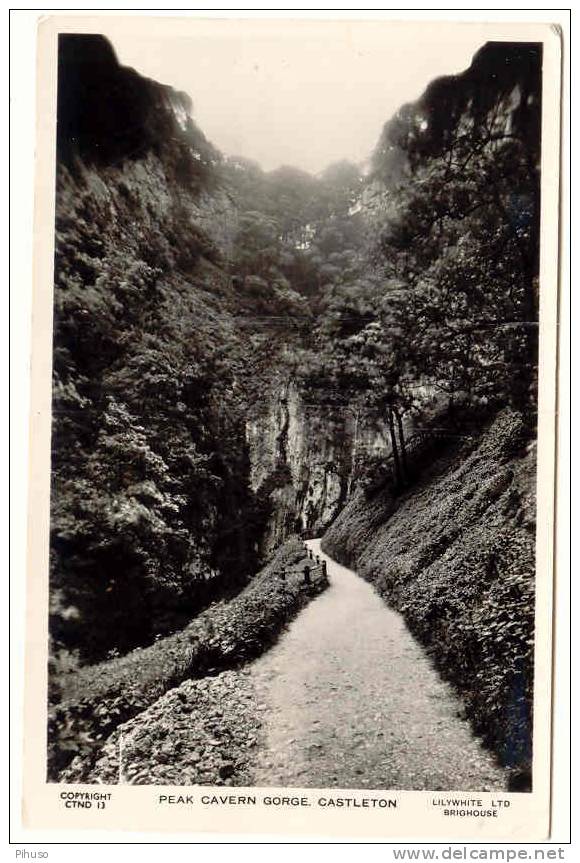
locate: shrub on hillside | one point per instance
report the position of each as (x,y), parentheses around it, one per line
(152,514)
(96,699)
(455,555)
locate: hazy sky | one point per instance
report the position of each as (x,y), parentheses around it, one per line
(291,92)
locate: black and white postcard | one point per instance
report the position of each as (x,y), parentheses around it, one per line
(294,353)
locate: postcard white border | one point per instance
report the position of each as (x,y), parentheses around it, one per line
(136,808)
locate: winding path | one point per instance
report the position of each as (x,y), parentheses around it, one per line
(350,700)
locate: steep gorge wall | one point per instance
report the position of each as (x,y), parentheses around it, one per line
(306,459)
(303,473)
(153,514)
(171,480)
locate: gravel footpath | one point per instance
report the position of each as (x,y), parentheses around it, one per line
(346,698)
(355,702)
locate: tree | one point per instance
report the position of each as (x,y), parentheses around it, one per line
(460,232)
(358,366)
(257,245)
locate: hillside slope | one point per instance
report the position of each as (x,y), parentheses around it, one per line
(142,307)
(455,554)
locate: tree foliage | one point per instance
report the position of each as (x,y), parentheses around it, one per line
(459,237)
(371,294)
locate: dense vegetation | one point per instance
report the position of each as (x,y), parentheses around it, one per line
(451,303)
(456,556)
(401,306)
(180,277)
(93,701)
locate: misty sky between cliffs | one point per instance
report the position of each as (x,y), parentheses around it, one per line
(294,92)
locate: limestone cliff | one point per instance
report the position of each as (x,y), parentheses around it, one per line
(307,459)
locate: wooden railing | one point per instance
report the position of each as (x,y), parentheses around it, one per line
(312,569)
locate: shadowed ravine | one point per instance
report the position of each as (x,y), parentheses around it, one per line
(242,355)
(351,700)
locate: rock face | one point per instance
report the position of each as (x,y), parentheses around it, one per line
(150,461)
(306,460)
(169,481)
(459,103)
(303,471)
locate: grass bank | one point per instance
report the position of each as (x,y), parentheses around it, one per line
(456,556)
(95,700)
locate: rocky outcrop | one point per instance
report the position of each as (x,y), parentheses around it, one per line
(500,93)
(306,459)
